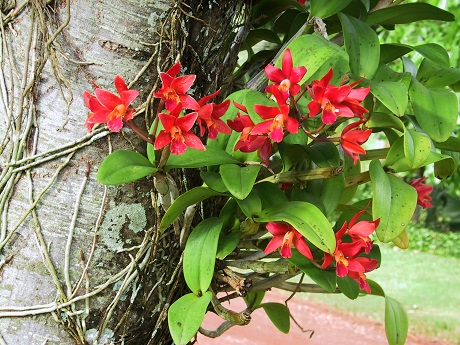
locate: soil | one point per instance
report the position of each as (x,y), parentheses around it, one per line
(322,325)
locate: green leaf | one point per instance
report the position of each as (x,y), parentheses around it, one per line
(323,9)
(390,52)
(376,289)
(270,194)
(124,166)
(324,155)
(200,255)
(444,165)
(451,144)
(254,298)
(278,314)
(306,219)
(433,76)
(227,244)
(435,53)
(381,120)
(325,278)
(417,147)
(362,44)
(196,158)
(348,287)
(435,110)
(349,169)
(393,95)
(214,181)
(393,202)
(190,197)
(396,322)
(239,180)
(186,315)
(318,55)
(408,13)
(251,204)
(257,35)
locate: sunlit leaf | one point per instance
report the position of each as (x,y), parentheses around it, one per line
(200,255)
(393,202)
(186,315)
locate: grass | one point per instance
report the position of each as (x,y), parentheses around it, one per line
(426,284)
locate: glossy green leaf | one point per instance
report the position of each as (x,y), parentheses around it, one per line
(227,244)
(124,166)
(362,44)
(444,165)
(433,76)
(257,35)
(196,158)
(187,199)
(251,204)
(435,53)
(348,287)
(278,314)
(228,213)
(270,194)
(239,180)
(324,155)
(254,298)
(396,322)
(417,147)
(408,13)
(290,155)
(325,278)
(393,202)
(390,52)
(186,315)
(200,255)
(376,289)
(349,169)
(304,217)
(393,95)
(318,55)
(323,9)
(435,110)
(381,120)
(214,181)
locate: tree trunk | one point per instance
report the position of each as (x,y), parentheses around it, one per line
(80,262)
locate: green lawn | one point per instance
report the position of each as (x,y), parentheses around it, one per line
(427,285)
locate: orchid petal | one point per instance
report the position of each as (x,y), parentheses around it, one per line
(107,99)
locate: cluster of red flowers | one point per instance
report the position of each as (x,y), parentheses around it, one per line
(348,261)
(330,100)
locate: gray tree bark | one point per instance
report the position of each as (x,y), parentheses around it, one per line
(79,262)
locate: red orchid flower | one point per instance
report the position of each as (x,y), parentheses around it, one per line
(346,254)
(248,141)
(177,132)
(109,108)
(302,2)
(334,101)
(352,138)
(278,118)
(174,89)
(209,116)
(286,78)
(423,192)
(284,236)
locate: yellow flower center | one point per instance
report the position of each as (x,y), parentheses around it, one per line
(117,112)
